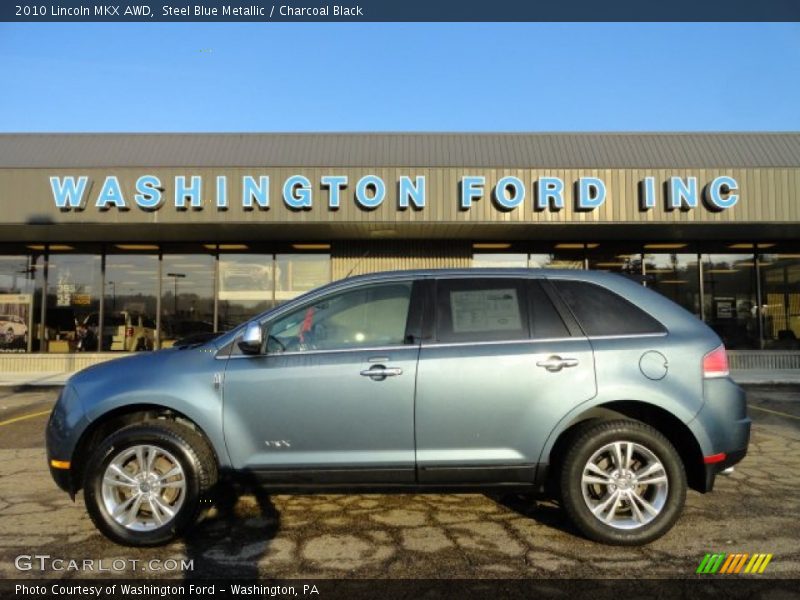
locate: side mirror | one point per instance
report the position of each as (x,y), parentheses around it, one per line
(252,339)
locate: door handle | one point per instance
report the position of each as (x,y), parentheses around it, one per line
(379,372)
(555,363)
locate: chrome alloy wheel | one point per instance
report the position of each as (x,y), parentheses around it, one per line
(143,487)
(624,485)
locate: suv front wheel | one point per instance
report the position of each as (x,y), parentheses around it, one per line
(145,484)
(622,483)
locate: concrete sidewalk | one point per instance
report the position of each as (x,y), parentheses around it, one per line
(741,376)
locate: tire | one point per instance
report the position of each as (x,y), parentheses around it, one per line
(625,521)
(170,448)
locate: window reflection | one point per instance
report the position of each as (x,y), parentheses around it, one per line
(675,275)
(187,296)
(298,273)
(499,260)
(246,287)
(129,320)
(557,260)
(20,300)
(73,296)
(780,304)
(729,302)
(620,261)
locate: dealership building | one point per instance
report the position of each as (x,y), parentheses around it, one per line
(113,243)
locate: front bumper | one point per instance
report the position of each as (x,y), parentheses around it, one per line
(63,479)
(66,424)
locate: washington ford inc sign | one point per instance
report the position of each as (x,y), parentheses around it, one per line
(369,192)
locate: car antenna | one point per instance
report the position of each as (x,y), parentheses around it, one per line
(358,264)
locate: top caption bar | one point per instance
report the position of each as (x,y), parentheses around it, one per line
(405,11)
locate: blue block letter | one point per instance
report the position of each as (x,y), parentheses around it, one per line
(67,194)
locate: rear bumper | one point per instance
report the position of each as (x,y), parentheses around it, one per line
(722,425)
(731,458)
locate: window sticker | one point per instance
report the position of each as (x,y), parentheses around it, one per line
(485,310)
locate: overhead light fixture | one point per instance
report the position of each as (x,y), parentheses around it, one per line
(673,281)
(136,246)
(665,246)
(721,271)
(744,246)
(225,246)
(311,246)
(491,245)
(52,247)
(609,264)
(570,246)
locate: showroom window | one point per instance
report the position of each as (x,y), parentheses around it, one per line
(729,299)
(676,276)
(499,260)
(252,283)
(21,277)
(246,284)
(616,260)
(780,300)
(131,299)
(299,273)
(74,291)
(187,296)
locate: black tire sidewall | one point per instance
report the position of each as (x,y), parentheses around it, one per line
(111,447)
(585,446)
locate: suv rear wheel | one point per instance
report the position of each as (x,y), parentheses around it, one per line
(145,484)
(622,483)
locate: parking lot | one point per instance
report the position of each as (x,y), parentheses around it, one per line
(404,536)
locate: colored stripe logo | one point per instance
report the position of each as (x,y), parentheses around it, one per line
(730,564)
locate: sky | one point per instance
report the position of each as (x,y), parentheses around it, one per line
(399,77)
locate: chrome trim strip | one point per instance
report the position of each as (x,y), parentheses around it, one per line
(458,344)
(332,351)
(631,335)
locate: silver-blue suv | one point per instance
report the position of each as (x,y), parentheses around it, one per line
(581,386)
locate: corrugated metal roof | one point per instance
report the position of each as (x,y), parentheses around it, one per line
(509,150)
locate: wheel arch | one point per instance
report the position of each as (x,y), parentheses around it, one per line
(670,426)
(115,419)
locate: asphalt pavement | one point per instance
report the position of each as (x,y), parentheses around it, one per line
(399,536)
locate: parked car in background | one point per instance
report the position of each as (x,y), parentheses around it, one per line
(123,331)
(12,330)
(578,385)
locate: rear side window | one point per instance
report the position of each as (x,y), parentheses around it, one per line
(479,310)
(602,312)
(545,320)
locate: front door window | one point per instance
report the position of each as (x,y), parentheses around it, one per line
(370,316)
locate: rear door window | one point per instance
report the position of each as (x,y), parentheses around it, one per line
(546,322)
(479,310)
(602,312)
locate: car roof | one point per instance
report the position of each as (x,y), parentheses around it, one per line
(472,272)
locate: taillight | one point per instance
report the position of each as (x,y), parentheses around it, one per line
(715,363)
(129,332)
